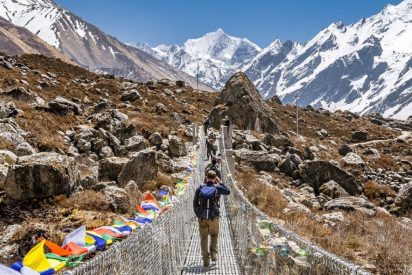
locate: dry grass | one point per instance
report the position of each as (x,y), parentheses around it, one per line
(159,181)
(381,240)
(88,200)
(376,191)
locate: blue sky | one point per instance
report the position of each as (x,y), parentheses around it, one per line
(174,21)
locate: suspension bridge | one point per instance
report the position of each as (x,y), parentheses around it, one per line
(171,244)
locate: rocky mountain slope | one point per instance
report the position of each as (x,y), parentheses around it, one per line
(16,41)
(78,147)
(213,57)
(345,182)
(364,67)
(84,43)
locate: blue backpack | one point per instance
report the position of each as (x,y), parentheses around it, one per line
(209,202)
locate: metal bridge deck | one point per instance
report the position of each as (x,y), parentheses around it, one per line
(226,263)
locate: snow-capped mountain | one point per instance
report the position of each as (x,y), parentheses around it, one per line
(365,67)
(213,57)
(84,43)
(16,40)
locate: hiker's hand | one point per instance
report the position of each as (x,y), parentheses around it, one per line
(217,180)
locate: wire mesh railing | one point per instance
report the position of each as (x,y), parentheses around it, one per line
(158,248)
(279,252)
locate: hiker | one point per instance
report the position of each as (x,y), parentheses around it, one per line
(213,166)
(210,148)
(206,125)
(226,121)
(206,207)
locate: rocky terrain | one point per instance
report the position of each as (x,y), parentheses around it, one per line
(345,182)
(77,148)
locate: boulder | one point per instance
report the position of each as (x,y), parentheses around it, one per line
(333,190)
(110,168)
(404,197)
(253,142)
(24,149)
(287,166)
(130,96)
(3,175)
(277,140)
(136,143)
(7,110)
(9,157)
(140,168)
(177,147)
(106,152)
(41,175)
(62,106)
(260,160)
(370,152)
(243,104)
(359,136)
(353,160)
(344,150)
(156,139)
(160,108)
(109,120)
(118,199)
(135,195)
(318,172)
(351,204)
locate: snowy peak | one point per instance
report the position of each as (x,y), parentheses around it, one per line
(220,46)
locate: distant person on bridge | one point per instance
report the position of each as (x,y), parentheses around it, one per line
(213,166)
(226,121)
(206,207)
(210,147)
(206,125)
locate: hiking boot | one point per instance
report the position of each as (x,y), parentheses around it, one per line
(206,264)
(213,257)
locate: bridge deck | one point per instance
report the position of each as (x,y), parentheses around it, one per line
(226,263)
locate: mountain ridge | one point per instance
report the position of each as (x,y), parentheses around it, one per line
(85,43)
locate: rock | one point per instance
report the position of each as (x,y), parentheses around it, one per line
(109,120)
(333,190)
(253,142)
(333,218)
(345,149)
(404,197)
(287,166)
(275,99)
(318,172)
(141,168)
(84,146)
(351,204)
(9,157)
(130,96)
(359,136)
(20,93)
(88,181)
(370,152)
(24,149)
(125,131)
(260,160)
(156,139)
(62,106)
(135,195)
(243,104)
(353,160)
(3,175)
(180,83)
(106,152)
(324,132)
(136,143)
(7,110)
(110,168)
(41,175)
(160,108)
(277,141)
(118,199)
(177,147)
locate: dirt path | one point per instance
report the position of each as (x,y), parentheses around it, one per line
(405,135)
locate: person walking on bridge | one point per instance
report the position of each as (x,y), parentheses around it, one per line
(206,207)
